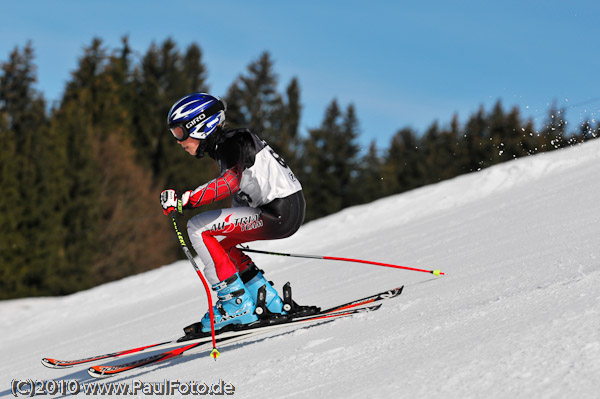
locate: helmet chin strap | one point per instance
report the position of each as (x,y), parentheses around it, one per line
(209,144)
(201,149)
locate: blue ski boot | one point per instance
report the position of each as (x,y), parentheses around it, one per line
(254,279)
(235,305)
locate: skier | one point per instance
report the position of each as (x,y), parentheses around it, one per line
(267,204)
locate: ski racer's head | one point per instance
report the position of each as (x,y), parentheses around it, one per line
(194,118)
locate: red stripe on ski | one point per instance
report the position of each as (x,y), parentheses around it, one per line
(107,371)
(54,363)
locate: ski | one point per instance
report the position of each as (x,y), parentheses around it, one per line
(61,364)
(223,339)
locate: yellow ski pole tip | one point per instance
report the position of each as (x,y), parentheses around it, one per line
(437,272)
(215,354)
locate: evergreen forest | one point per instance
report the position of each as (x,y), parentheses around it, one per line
(80,179)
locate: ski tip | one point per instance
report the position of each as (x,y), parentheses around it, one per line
(57,364)
(51,363)
(98,372)
(215,354)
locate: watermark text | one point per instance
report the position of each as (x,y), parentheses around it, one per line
(30,388)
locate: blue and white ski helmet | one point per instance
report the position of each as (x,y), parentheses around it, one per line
(196,115)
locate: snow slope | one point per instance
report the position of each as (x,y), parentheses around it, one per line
(516,316)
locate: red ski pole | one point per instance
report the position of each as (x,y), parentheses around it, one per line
(435,272)
(214,353)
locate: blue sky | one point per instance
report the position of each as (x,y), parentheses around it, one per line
(400,63)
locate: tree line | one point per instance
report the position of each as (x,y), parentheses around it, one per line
(80,179)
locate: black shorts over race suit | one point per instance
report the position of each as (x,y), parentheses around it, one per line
(215,234)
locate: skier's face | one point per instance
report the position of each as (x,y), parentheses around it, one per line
(190,145)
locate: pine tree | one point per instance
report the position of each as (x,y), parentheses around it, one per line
(369,184)
(318,177)
(475,147)
(288,144)
(73,124)
(13,240)
(163,77)
(193,72)
(133,233)
(346,157)
(586,131)
(439,148)
(402,170)
(452,143)
(515,137)
(553,133)
(253,102)
(31,236)
(505,132)
(429,166)
(528,142)
(330,154)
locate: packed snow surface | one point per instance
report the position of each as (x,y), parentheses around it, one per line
(517,314)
